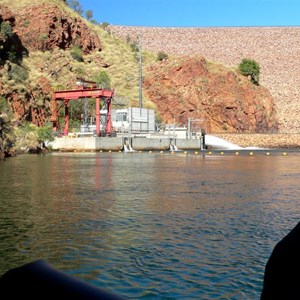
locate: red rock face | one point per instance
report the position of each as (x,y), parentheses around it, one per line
(217,98)
(45,27)
(33,105)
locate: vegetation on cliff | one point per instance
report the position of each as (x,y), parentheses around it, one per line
(249,67)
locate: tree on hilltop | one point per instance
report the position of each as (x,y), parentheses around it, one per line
(249,67)
(89,14)
(75,5)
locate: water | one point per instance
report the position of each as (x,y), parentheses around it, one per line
(150,226)
(217,142)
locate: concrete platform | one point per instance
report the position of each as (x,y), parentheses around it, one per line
(92,143)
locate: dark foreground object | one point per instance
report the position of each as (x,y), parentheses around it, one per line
(38,280)
(282,273)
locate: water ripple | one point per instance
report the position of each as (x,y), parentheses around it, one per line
(150,227)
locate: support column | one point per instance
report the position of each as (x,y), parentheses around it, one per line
(189,128)
(108,128)
(66,129)
(54,116)
(98,116)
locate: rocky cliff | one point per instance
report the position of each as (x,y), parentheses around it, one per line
(45,27)
(219,99)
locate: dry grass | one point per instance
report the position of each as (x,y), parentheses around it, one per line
(124,66)
(21,4)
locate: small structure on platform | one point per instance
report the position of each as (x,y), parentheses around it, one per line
(85,89)
(129,120)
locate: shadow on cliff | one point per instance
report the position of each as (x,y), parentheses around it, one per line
(11,46)
(13,50)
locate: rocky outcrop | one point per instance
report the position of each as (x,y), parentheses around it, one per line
(30,104)
(215,97)
(276,49)
(45,27)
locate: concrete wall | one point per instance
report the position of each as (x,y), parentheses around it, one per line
(68,143)
(109,143)
(71,143)
(185,144)
(150,144)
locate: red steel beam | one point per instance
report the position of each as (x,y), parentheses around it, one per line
(98,116)
(79,94)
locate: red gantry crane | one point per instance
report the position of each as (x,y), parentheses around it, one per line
(86,89)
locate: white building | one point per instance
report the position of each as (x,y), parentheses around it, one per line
(132,119)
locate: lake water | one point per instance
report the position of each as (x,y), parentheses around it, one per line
(150,225)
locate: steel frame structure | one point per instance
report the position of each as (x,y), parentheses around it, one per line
(82,93)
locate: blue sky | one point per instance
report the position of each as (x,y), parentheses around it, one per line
(195,13)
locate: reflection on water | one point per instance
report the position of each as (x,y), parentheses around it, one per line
(150,225)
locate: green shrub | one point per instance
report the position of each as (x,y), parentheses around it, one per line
(3,105)
(6,30)
(103,80)
(45,133)
(80,71)
(43,37)
(162,56)
(134,46)
(104,25)
(249,67)
(12,56)
(76,53)
(17,73)
(89,14)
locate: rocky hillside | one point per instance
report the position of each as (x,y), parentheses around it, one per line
(220,99)
(46,27)
(36,56)
(276,49)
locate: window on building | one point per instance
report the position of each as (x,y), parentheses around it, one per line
(122,117)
